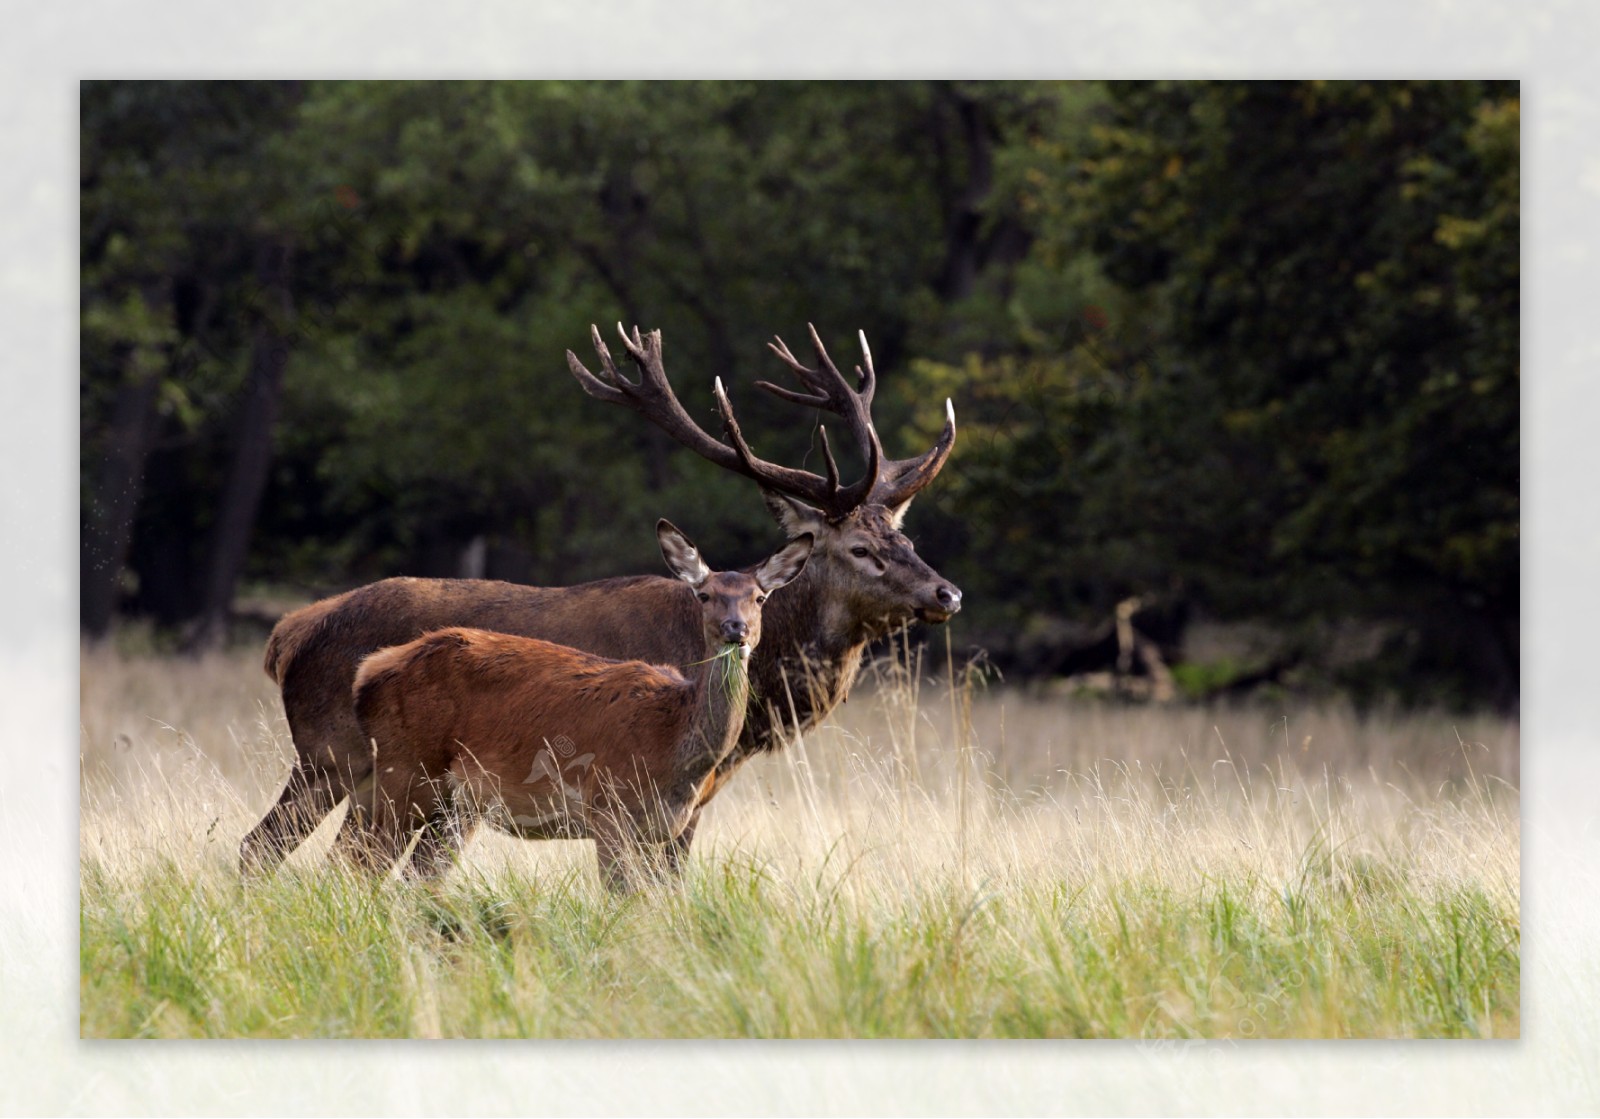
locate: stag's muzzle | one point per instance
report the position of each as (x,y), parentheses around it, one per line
(945,601)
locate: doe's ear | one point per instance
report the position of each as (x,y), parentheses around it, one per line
(680,553)
(788,562)
(792,515)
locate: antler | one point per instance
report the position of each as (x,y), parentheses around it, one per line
(902,479)
(886,482)
(831,393)
(652,397)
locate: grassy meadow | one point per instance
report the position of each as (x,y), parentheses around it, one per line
(943,858)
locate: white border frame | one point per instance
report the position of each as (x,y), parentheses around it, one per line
(44,1068)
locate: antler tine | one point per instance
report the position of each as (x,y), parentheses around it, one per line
(827,458)
(793,397)
(651,396)
(731,425)
(822,352)
(860,492)
(866,378)
(638,346)
(799,483)
(606,389)
(902,479)
(808,377)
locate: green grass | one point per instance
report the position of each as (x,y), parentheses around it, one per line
(997,866)
(742,952)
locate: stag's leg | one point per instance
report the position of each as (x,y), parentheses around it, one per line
(380,845)
(330,761)
(361,819)
(306,799)
(443,836)
(359,823)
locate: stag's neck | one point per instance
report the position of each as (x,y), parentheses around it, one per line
(721,692)
(810,652)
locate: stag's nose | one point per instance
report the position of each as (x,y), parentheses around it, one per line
(733,630)
(949,598)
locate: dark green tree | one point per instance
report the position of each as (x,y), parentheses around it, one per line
(1297,399)
(1253,346)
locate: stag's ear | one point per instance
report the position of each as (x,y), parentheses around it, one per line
(897,513)
(786,564)
(681,554)
(793,516)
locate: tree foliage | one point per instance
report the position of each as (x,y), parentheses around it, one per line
(1250,344)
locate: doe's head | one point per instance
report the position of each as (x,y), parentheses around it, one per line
(730,601)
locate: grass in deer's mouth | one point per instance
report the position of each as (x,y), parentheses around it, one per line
(1220,878)
(730,668)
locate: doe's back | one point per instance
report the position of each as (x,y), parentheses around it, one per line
(496,696)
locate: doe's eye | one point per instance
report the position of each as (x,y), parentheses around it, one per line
(760,598)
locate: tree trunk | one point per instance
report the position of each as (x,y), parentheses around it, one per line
(964,211)
(252,459)
(107,524)
(1499,653)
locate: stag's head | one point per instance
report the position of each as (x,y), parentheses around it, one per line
(867,566)
(730,601)
(863,571)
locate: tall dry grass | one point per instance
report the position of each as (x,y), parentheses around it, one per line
(942,858)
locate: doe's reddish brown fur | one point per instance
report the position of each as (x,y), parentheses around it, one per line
(552,742)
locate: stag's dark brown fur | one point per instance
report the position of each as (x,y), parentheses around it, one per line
(864,581)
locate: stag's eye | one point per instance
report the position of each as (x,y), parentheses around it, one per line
(760,598)
(859,552)
(703,597)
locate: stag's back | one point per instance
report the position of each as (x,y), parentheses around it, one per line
(601,617)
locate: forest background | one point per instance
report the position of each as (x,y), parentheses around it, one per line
(1246,351)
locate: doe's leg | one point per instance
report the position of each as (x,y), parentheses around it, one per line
(675,852)
(618,851)
(382,819)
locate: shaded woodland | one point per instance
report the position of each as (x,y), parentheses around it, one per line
(1221,352)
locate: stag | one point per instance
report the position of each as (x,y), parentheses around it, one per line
(864,581)
(552,742)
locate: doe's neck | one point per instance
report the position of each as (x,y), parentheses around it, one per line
(722,690)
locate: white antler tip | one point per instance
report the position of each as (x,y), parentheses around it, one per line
(949,410)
